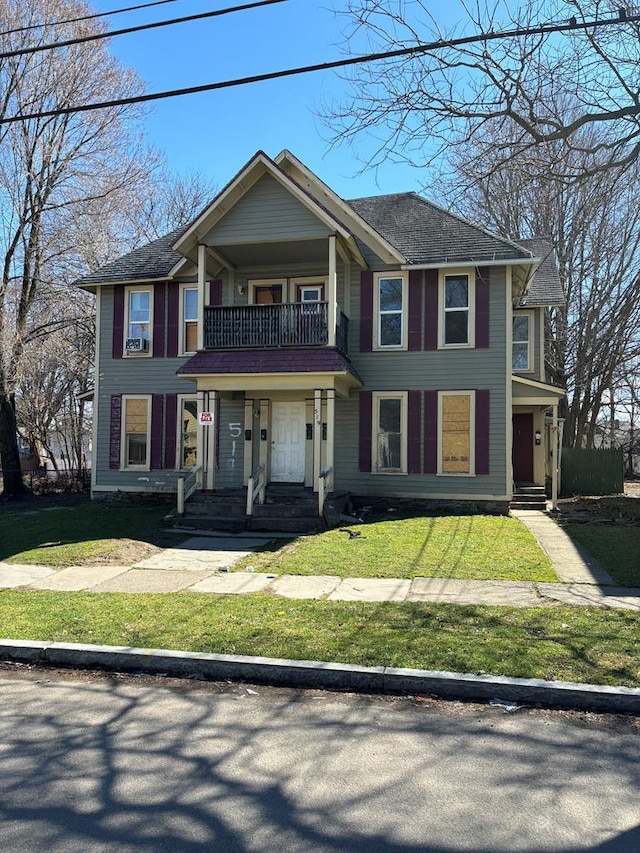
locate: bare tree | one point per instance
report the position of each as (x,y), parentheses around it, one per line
(594,225)
(415,107)
(54,172)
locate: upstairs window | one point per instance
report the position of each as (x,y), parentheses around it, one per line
(139,307)
(189,324)
(456,315)
(522,359)
(390,306)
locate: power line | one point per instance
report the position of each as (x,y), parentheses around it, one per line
(97,36)
(572,25)
(84,17)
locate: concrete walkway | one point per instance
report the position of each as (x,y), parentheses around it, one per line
(201,565)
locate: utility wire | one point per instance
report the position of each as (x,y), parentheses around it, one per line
(542,29)
(84,17)
(97,36)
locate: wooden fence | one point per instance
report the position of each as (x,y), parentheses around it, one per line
(592,472)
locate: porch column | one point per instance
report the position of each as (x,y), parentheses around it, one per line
(331,414)
(317,435)
(210,433)
(202,277)
(554,459)
(264,436)
(332,296)
(248,444)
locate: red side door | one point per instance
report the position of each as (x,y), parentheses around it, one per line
(523,447)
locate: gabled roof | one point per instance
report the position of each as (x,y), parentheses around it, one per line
(426,233)
(545,287)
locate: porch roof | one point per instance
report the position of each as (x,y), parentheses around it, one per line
(531,392)
(318,361)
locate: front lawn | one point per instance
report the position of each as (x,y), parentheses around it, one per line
(616,547)
(39,534)
(553,642)
(475,547)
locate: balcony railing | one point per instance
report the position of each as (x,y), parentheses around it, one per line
(293,324)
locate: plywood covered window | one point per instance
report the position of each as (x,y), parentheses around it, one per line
(456,442)
(136,413)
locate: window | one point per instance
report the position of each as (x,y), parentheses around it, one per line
(309,295)
(390,301)
(521,342)
(457,314)
(188,432)
(390,432)
(139,308)
(267,291)
(189,309)
(456,437)
(135,433)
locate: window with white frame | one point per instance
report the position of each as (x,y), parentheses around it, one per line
(189,319)
(456,436)
(389,444)
(267,291)
(136,429)
(522,354)
(457,315)
(187,432)
(138,324)
(390,298)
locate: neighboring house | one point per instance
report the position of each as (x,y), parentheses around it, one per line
(382,340)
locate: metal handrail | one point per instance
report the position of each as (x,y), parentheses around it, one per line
(325,488)
(187,485)
(256,487)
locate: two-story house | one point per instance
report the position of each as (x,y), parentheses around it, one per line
(381,347)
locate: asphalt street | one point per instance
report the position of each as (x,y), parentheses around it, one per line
(105,763)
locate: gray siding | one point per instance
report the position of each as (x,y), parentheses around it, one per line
(231,444)
(266,212)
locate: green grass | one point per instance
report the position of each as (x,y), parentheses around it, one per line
(554,642)
(474,547)
(616,547)
(69,535)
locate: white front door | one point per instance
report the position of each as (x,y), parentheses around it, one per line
(287,445)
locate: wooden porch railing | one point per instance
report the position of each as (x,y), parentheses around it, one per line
(187,485)
(325,487)
(256,487)
(277,325)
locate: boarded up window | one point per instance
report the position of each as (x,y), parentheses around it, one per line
(456,434)
(136,425)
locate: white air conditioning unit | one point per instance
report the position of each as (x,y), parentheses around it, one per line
(137,345)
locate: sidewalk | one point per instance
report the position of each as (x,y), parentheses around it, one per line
(201,565)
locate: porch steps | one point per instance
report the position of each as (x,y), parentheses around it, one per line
(287,509)
(528,496)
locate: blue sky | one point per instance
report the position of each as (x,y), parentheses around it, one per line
(217,132)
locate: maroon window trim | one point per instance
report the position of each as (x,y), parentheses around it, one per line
(173,317)
(158,319)
(215,292)
(413,430)
(118,321)
(430,432)
(431,309)
(366,313)
(364,454)
(157,416)
(482,431)
(115,427)
(415,310)
(482,308)
(170,430)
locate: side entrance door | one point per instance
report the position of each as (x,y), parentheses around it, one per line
(523,447)
(288,442)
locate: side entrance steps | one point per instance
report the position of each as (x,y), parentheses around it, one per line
(529,496)
(287,509)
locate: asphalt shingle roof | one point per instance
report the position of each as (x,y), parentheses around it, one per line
(545,287)
(153,260)
(285,360)
(426,233)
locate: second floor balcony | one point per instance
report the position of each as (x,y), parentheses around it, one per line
(292,324)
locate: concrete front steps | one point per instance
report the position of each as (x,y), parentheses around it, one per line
(528,496)
(287,509)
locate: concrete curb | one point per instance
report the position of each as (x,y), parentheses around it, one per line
(318,674)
